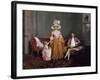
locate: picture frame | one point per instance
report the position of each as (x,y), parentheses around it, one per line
(19,45)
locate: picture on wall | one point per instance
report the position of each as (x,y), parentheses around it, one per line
(53,39)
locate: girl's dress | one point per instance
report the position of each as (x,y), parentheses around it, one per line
(46,53)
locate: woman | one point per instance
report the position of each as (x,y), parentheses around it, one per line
(56,41)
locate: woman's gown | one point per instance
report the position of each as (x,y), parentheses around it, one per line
(57,45)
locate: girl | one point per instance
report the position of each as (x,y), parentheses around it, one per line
(46,52)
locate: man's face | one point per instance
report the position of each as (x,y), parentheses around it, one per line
(72,34)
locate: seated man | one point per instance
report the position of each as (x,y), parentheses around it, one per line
(37,45)
(38,42)
(73,45)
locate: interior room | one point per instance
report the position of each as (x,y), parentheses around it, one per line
(38,23)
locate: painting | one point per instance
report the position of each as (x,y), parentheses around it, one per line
(53,39)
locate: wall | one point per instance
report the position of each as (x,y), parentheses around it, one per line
(5,33)
(27,29)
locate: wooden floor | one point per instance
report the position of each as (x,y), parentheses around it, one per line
(81,58)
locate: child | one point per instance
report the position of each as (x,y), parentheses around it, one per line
(46,53)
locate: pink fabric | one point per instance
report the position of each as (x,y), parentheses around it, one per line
(46,53)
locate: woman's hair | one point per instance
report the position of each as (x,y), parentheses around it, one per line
(56,24)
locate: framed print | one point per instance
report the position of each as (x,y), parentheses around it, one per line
(53,39)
